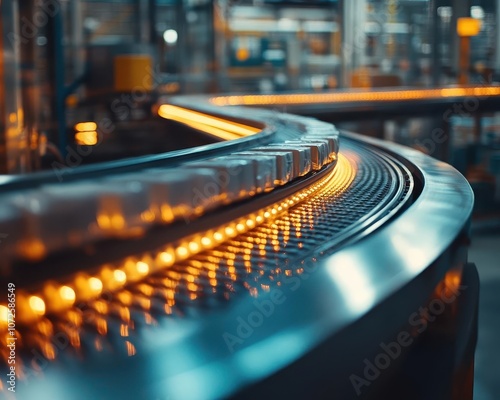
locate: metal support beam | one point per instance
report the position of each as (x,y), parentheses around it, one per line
(30,83)
(144,24)
(497,33)
(353,48)
(56,62)
(436,42)
(152,21)
(461,8)
(13,140)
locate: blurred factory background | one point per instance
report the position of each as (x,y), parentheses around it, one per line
(65,62)
(81,82)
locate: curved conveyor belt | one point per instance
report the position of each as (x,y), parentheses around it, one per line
(250,293)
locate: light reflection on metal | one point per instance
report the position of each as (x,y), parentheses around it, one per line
(405,247)
(98,344)
(101,326)
(48,351)
(130,349)
(353,283)
(74,337)
(124,330)
(450,285)
(356,96)
(100,306)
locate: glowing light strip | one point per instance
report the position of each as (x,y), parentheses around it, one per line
(87,138)
(55,297)
(216,132)
(175,113)
(353,97)
(85,126)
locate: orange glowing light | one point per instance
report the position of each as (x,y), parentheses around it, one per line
(355,96)
(182,252)
(101,306)
(67,294)
(142,268)
(166,258)
(216,132)
(240,227)
(48,351)
(242,54)
(95,285)
(109,218)
(85,126)
(215,126)
(102,326)
(193,247)
(37,305)
(4,314)
(123,330)
(452,281)
(120,276)
(467,27)
(86,138)
(205,241)
(218,236)
(32,249)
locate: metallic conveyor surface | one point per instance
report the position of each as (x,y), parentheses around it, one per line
(359,239)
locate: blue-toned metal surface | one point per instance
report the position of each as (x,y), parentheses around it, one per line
(311,329)
(328,312)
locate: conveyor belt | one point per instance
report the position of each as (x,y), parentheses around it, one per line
(335,242)
(365,189)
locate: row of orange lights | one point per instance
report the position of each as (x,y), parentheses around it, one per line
(41,332)
(54,297)
(86,133)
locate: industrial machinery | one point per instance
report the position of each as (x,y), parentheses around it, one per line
(282,259)
(241,246)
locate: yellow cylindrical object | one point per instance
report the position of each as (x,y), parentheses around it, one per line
(133,72)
